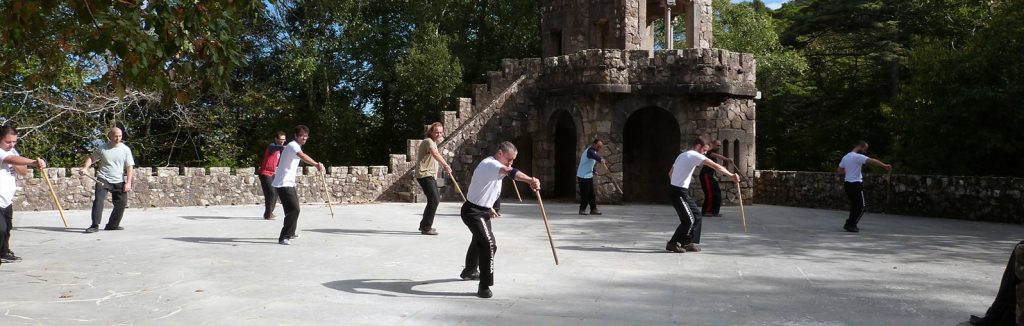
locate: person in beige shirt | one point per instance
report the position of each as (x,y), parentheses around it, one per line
(428,159)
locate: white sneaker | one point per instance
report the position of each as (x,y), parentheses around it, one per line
(285,242)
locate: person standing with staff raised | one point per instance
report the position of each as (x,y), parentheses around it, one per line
(284,182)
(477,212)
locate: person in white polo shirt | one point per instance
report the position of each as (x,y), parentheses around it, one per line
(687,235)
(284,181)
(11,164)
(477,212)
(850,166)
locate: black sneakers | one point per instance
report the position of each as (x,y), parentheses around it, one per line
(851,228)
(92,229)
(595,212)
(484,292)
(430,231)
(118,228)
(9,258)
(692,247)
(675,247)
(469,275)
(583,212)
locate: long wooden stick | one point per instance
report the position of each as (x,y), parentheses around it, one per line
(544,213)
(613,180)
(53,194)
(739,193)
(456,183)
(514,186)
(327,193)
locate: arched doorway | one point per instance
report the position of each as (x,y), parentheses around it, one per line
(650,145)
(565,155)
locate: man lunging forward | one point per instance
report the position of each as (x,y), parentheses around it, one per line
(284,182)
(687,235)
(477,212)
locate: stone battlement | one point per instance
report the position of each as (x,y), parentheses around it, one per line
(667,72)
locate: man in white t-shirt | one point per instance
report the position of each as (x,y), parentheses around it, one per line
(687,235)
(850,166)
(114,169)
(477,212)
(284,181)
(11,164)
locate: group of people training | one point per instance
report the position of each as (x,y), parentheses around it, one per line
(278,168)
(114,168)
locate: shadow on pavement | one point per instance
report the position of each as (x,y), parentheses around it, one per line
(221,218)
(52,228)
(614,249)
(397,287)
(363,232)
(225,241)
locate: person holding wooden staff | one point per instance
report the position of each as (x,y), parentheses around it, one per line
(709,184)
(114,167)
(477,212)
(428,159)
(585,176)
(687,235)
(10,163)
(284,182)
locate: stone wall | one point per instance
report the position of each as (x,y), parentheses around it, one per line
(989,199)
(174,186)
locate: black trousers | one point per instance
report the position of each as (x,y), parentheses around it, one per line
(1004,307)
(429,185)
(855,193)
(483,246)
(689,221)
(290,201)
(6,225)
(587,195)
(712,194)
(117,196)
(269,194)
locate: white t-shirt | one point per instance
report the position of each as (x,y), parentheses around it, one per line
(485,186)
(8,180)
(852,163)
(284,176)
(682,168)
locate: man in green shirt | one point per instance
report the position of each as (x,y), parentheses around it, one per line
(114,169)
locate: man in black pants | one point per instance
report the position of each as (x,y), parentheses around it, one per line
(477,212)
(709,183)
(850,166)
(427,162)
(114,171)
(12,164)
(284,182)
(585,177)
(266,174)
(1002,312)
(687,235)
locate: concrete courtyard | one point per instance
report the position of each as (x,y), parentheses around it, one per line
(369,266)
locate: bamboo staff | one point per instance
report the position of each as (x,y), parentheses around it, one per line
(544,214)
(456,183)
(613,180)
(327,194)
(514,186)
(739,193)
(53,194)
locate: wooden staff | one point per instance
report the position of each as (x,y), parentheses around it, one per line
(514,186)
(612,180)
(544,214)
(456,183)
(739,193)
(53,194)
(327,194)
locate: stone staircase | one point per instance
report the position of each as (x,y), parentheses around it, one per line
(473,127)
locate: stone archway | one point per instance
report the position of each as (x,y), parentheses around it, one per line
(565,155)
(651,142)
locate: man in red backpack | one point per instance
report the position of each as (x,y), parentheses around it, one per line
(266,173)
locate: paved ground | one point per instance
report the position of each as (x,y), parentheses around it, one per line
(222,266)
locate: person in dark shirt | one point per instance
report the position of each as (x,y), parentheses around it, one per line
(266,173)
(709,183)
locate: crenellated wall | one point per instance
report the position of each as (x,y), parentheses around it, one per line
(989,199)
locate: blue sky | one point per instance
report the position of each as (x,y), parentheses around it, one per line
(774,4)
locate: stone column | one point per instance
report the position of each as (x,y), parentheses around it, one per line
(669,42)
(698,24)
